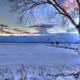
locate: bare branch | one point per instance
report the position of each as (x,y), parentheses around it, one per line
(61,10)
(23,6)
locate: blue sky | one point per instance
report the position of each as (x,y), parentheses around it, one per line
(42,14)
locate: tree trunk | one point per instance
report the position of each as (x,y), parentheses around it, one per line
(78,28)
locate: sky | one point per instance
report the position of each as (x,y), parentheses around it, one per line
(43,14)
(7,18)
(40,17)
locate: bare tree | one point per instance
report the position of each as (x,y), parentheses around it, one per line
(66,8)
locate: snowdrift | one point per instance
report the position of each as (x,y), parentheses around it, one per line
(37,54)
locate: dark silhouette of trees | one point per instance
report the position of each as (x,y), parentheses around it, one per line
(65,7)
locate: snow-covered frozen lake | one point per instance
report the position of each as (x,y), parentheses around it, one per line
(39,61)
(37,54)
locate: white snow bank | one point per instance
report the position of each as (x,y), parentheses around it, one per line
(66,78)
(36,54)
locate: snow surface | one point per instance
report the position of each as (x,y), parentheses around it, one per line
(37,54)
(39,61)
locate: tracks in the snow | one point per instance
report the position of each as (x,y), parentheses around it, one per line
(75,47)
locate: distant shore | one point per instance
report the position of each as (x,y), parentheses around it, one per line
(55,37)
